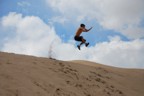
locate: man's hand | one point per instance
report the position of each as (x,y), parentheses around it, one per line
(86,30)
(90,29)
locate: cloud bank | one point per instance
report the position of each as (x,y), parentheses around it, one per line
(124,16)
(34,37)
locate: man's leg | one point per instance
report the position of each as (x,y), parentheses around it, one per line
(79,45)
(86,44)
(82,42)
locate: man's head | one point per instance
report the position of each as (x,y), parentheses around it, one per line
(82,25)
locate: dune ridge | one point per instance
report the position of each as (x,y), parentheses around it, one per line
(22,75)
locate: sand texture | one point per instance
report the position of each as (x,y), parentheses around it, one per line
(22,75)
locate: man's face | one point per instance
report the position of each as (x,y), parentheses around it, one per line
(83,26)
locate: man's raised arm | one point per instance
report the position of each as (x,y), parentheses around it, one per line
(86,30)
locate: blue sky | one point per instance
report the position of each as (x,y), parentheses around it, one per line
(47,27)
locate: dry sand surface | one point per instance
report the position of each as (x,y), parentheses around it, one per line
(22,75)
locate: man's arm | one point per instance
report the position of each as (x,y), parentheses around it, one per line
(86,30)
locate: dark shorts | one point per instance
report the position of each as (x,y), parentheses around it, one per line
(78,38)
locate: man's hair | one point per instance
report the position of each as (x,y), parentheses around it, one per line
(82,25)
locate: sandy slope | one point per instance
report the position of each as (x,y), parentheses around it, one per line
(22,75)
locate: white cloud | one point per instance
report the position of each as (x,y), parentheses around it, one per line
(23,4)
(57,19)
(119,53)
(119,15)
(34,37)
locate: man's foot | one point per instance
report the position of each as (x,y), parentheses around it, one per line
(78,47)
(86,44)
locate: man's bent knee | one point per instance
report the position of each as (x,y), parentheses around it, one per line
(83,40)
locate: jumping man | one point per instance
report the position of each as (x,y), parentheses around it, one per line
(80,38)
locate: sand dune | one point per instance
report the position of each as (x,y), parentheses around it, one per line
(22,75)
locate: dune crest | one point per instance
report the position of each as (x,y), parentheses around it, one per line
(22,75)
